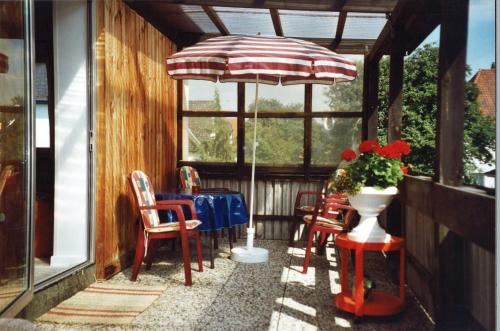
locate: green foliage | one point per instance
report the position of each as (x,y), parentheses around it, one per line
(218,144)
(280,141)
(420,111)
(347,96)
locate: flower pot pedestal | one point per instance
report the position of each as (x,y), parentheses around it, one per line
(369,202)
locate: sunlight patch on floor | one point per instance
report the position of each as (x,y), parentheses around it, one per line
(288,322)
(342,322)
(293,304)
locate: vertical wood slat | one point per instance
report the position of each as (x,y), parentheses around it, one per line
(135,125)
(396,87)
(451,92)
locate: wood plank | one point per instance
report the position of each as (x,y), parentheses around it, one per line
(451,92)
(216,20)
(468,213)
(275,16)
(135,99)
(340,29)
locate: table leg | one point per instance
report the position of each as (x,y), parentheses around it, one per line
(402,274)
(212,250)
(344,272)
(359,281)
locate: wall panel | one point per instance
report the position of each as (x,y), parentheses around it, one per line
(135,125)
(274,202)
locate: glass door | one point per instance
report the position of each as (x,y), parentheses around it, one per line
(16,285)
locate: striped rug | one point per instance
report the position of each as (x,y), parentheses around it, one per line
(102,303)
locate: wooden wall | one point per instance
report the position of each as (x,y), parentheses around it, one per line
(435,216)
(135,126)
(274,201)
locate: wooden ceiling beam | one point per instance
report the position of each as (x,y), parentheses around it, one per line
(216,20)
(275,16)
(340,29)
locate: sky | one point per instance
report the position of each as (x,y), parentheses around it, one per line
(480,36)
(480,55)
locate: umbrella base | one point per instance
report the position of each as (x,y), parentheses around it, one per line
(249,255)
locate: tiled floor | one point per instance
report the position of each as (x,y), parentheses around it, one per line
(270,296)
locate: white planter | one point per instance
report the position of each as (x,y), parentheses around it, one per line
(369,202)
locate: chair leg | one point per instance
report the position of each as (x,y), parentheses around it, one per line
(186,257)
(230,236)
(321,244)
(151,253)
(292,227)
(198,252)
(139,255)
(307,257)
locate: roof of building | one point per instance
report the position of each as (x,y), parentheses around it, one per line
(485,82)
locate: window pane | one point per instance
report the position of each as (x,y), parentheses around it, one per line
(309,24)
(275,98)
(248,21)
(480,108)
(14,265)
(279,141)
(209,139)
(341,97)
(330,136)
(200,95)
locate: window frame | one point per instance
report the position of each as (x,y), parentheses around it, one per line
(241,170)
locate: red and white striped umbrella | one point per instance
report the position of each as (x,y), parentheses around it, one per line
(238,58)
(259,59)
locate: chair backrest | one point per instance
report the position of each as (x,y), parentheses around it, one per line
(144,196)
(188,176)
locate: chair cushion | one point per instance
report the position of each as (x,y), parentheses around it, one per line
(174,226)
(189,177)
(145,197)
(307,209)
(323,221)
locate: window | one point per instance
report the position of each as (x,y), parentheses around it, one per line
(300,128)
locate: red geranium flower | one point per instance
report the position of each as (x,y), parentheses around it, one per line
(403,169)
(403,146)
(348,154)
(368,146)
(390,151)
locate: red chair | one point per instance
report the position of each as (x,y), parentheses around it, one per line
(151,230)
(329,217)
(300,209)
(189,178)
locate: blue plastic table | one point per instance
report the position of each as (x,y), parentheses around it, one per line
(216,210)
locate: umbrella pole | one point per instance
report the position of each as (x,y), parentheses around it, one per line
(251,254)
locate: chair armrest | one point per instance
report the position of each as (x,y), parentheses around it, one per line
(188,203)
(300,194)
(177,208)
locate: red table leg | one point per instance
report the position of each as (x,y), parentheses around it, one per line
(359,281)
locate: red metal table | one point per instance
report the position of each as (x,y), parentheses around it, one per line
(378,303)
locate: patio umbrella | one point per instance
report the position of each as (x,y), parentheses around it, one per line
(259,59)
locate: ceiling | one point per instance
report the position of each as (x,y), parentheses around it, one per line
(346,26)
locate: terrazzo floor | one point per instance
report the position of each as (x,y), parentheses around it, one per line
(270,296)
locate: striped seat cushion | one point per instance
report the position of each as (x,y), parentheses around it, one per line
(145,197)
(174,226)
(323,221)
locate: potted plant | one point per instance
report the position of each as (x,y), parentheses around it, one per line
(369,179)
